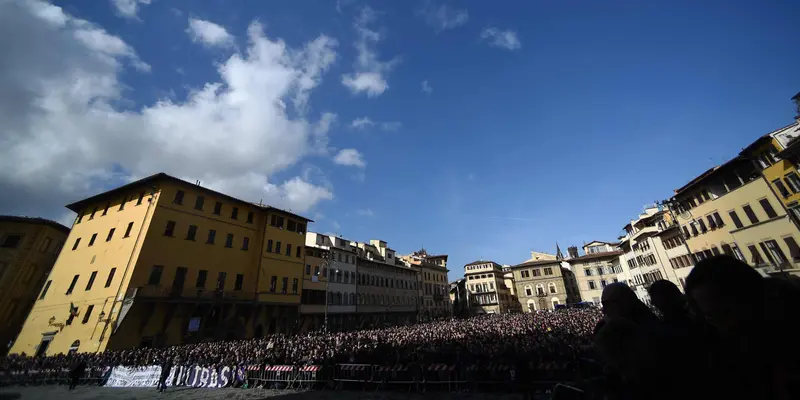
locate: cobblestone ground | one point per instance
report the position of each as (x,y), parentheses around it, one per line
(92,393)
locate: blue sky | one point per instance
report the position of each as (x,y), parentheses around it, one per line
(542,122)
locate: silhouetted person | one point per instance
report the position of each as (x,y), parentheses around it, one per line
(620,302)
(165,369)
(76,373)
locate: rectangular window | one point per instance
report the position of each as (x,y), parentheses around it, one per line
(768,208)
(269,246)
(715,251)
(11,241)
(718,220)
(291,225)
(44,291)
(178,197)
(273,284)
(245,243)
(592,285)
(72,313)
(294,286)
(80,217)
(87,314)
(92,239)
(229,240)
(94,211)
(726,249)
(141,197)
(170,228)
(278,247)
(702,225)
(239,281)
(192,233)
(794,250)
(217,208)
(212,234)
(91,280)
(750,214)
(325,272)
(235,213)
(537,272)
(775,250)
(289,250)
(711,223)
(155,275)
(737,253)
(781,188)
(221,281)
(308,269)
(72,284)
(110,277)
(755,256)
(276,221)
(198,203)
(284,285)
(250,217)
(105,210)
(548,271)
(202,275)
(110,234)
(316,270)
(299,250)
(77,242)
(794,181)
(122,203)
(736,221)
(301,227)
(694,229)
(686,232)
(128,230)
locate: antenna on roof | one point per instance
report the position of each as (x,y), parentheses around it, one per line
(260,201)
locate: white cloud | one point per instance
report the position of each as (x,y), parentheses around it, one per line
(391,126)
(426,87)
(365,212)
(361,123)
(209,34)
(63,136)
(499,38)
(128,8)
(350,157)
(369,72)
(443,18)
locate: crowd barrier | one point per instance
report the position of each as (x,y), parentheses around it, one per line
(493,377)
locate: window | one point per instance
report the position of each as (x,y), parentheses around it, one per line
(592,285)
(80,217)
(278,247)
(301,227)
(316,270)
(72,284)
(92,239)
(87,314)
(548,271)
(794,181)
(273,284)
(212,234)
(588,271)
(235,213)
(245,243)
(276,221)
(11,241)
(250,217)
(44,291)
(91,280)
(178,197)
(693,225)
(229,240)
(308,269)
(768,208)
(73,311)
(324,272)
(756,257)
(794,250)
(155,275)
(141,196)
(128,230)
(237,285)
(122,203)
(551,287)
(289,250)
(294,286)
(711,223)
(750,214)
(284,285)
(110,277)
(198,203)
(736,221)
(94,211)
(291,225)
(718,220)
(105,210)
(603,283)
(781,188)
(537,272)
(170,229)
(299,250)
(221,281)
(202,275)
(714,250)
(773,249)
(77,242)
(737,253)
(269,246)
(686,232)
(217,208)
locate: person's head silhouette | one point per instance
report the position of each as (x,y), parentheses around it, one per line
(666,296)
(620,302)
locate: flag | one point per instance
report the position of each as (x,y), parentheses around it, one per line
(73,311)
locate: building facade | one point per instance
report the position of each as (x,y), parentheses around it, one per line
(540,285)
(388,288)
(432,273)
(488,293)
(597,268)
(161,261)
(28,249)
(331,269)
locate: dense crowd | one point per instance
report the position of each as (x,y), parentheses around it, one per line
(545,339)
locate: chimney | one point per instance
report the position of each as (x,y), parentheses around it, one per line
(573,251)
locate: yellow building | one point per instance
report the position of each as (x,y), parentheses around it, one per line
(161,261)
(542,285)
(487,289)
(599,267)
(28,249)
(432,273)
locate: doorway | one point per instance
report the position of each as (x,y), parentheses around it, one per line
(177,283)
(45,343)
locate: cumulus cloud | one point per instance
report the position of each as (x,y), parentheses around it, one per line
(365,212)
(443,17)
(64,137)
(499,38)
(128,8)
(209,34)
(350,157)
(426,87)
(369,75)
(361,123)
(391,126)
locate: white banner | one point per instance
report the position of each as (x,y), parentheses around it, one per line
(134,377)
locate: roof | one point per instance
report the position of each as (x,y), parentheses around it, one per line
(479,262)
(438,256)
(595,256)
(599,241)
(34,220)
(705,174)
(153,179)
(536,263)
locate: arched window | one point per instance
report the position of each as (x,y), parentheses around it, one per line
(555,302)
(528,290)
(551,287)
(540,289)
(531,305)
(74,347)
